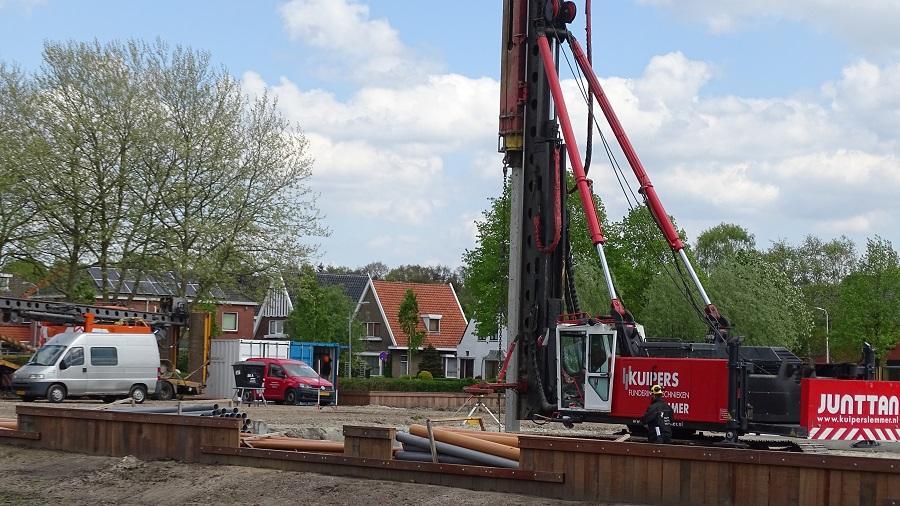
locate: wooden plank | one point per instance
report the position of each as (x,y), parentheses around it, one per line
(639,479)
(654,482)
(603,477)
(321,458)
(738,456)
(849,488)
(711,480)
(698,482)
(784,486)
(19,434)
(670,481)
(811,487)
(591,476)
(369,432)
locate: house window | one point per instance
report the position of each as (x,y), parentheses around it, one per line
(434,325)
(373,329)
(404,365)
(467,368)
(373,364)
(496,337)
(450,367)
(229,322)
(276,327)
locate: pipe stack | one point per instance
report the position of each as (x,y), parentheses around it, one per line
(460,447)
(192,410)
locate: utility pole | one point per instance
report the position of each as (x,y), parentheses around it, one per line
(516,191)
(827,345)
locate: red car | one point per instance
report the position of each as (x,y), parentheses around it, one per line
(293,382)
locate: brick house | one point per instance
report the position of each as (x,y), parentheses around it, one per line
(440,316)
(235,313)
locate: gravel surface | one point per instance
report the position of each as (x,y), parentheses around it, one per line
(45,477)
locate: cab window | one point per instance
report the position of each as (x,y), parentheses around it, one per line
(104,355)
(276,371)
(75,356)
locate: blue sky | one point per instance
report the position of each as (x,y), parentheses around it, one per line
(782,117)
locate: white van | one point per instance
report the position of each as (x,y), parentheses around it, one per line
(90,364)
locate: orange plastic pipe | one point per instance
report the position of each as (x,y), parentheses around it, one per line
(496,437)
(303,445)
(472,443)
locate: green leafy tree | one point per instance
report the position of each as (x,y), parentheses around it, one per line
(320,313)
(818,267)
(762,303)
(408,316)
(868,310)
(636,252)
(720,243)
(431,362)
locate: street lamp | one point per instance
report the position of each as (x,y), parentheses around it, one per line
(350,338)
(827,347)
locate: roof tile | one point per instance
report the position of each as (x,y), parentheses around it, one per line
(433,299)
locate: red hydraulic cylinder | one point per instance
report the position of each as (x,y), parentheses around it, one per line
(584,190)
(656,207)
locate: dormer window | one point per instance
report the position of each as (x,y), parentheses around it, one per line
(432,323)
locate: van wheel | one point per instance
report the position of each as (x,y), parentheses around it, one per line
(138,393)
(56,393)
(290,397)
(166,391)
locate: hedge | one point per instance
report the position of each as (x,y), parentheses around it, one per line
(404,384)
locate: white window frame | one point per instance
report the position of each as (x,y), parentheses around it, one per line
(276,321)
(236,321)
(404,359)
(372,334)
(448,359)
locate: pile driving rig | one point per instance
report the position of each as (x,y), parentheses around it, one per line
(571,367)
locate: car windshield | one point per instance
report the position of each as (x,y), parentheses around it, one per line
(47,355)
(301,370)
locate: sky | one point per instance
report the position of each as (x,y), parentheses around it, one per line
(783,117)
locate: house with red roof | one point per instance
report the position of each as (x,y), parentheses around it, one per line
(385,347)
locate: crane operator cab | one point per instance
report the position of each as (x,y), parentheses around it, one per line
(585,362)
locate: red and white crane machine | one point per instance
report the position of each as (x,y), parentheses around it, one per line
(570,367)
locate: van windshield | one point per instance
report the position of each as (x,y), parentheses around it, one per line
(47,355)
(301,370)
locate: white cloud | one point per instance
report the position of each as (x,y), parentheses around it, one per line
(350,41)
(870,24)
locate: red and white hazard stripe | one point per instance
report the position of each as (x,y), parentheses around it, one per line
(854,434)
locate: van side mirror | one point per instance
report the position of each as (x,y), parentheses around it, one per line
(63,365)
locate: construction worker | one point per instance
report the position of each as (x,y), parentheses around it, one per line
(658,417)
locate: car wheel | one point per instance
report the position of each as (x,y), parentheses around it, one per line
(56,393)
(290,397)
(166,391)
(138,393)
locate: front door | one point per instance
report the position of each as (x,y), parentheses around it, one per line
(74,375)
(601,362)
